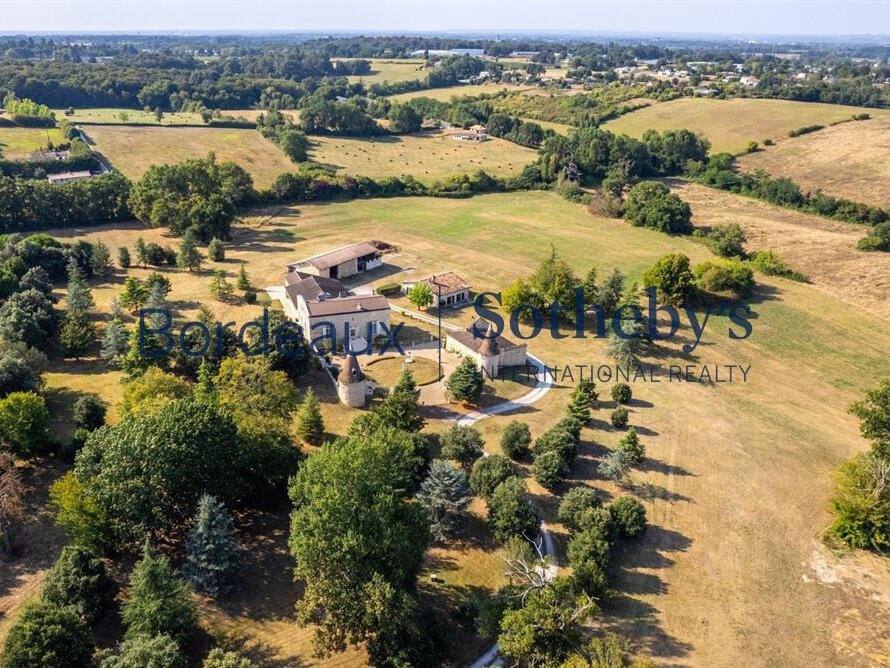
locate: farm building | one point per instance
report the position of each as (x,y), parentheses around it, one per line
(42,156)
(65,177)
(474,133)
(323,307)
(492,352)
(447,286)
(343,262)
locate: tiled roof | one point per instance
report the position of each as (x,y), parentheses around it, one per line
(485,346)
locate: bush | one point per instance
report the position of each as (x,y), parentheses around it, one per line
(618,418)
(651,204)
(771,263)
(79,580)
(389,289)
(489,472)
(219,658)
(144,652)
(89,412)
(511,513)
(574,503)
(861,507)
(725,276)
(621,393)
(24,423)
(672,277)
(216,250)
(550,469)
(462,444)
(629,516)
(49,637)
(516,440)
(123,257)
(804,130)
(727,240)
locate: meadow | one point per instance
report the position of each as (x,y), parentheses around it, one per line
(17,143)
(426,155)
(737,475)
(113,115)
(384,69)
(133,150)
(731,124)
(847,160)
(445,94)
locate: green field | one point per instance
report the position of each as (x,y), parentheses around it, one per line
(383,69)
(113,115)
(445,94)
(731,124)
(133,150)
(17,143)
(426,155)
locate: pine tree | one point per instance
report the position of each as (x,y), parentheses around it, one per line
(134,294)
(445,494)
(76,334)
(610,293)
(79,579)
(114,344)
(220,288)
(141,252)
(212,554)
(399,409)
(158,600)
(310,424)
(591,290)
(205,388)
(188,256)
(100,260)
(243,280)
(466,382)
(216,251)
(117,311)
(627,351)
(80,298)
(123,257)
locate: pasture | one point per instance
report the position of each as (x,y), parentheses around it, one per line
(731,124)
(133,150)
(426,155)
(17,143)
(735,482)
(113,115)
(445,94)
(392,70)
(849,160)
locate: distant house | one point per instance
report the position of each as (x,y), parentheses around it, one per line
(705,91)
(749,82)
(491,352)
(324,307)
(343,262)
(65,177)
(474,133)
(453,289)
(43,156)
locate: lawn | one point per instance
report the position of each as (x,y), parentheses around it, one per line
(731,124)
(17,143)
(847,160)
(383,69)
(426,155)
(133,150)
(386,371)
(737,475)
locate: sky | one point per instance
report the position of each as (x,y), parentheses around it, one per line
(836,17)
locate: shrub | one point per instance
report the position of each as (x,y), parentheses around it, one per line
(144,651)
(511,513)
(672,277)
(725,276)
(727,240)
(24,423)
(550,469)
(861,505)
(79,580)
(219,658)
(516,440)
(216,250)
(123,257)
(621,393)
(651,204)
(389,289)
(574,503)
(489,472)
(771,263)
(50,637)
(629,516)
(804,130)
(618,418)
(89,412)
(462,444)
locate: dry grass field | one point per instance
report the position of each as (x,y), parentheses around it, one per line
(427,155)
(737,475)
(112,115)
(133,150)
(392,70)
(731,124)
(445,94)
(17,143)
(849,160)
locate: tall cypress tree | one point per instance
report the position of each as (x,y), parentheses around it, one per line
(212,554)
(399,409)
(310,424)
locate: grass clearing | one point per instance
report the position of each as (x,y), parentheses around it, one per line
(386,371)
(112,115)
(847,160)
(731,124)
(445,94)
(426,155)
(392,70)
(737,475)
(17,143)
(133,150)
